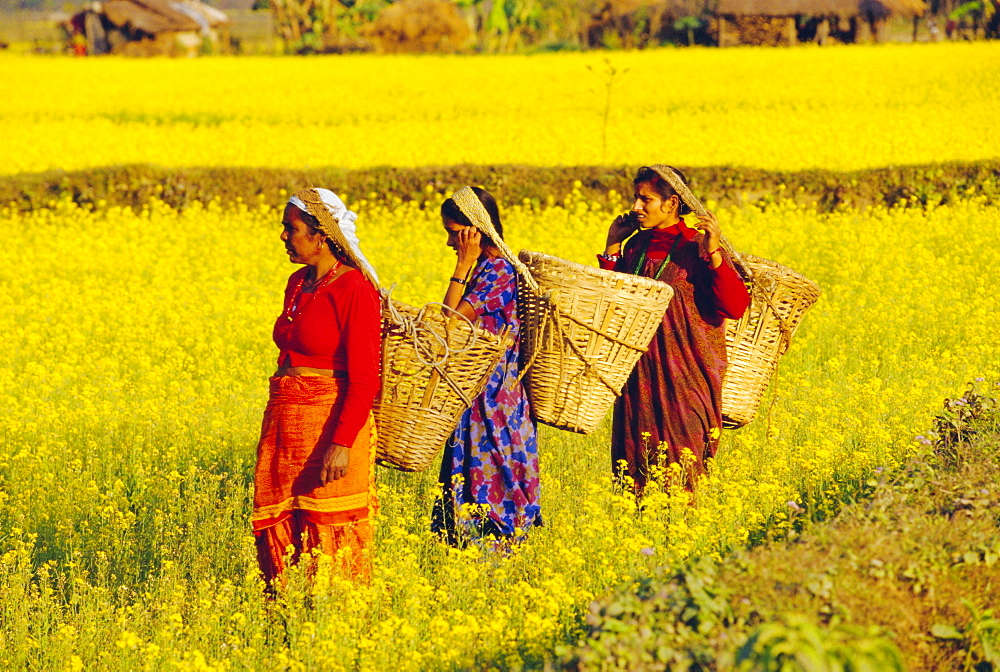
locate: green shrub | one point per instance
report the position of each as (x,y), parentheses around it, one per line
(796,643)
(667,621)
(827,190)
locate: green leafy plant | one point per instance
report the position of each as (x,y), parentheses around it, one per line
(688,24)
(963,418)
(660,622)
(796,643)
(980,637)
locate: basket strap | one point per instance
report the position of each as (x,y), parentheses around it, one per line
(425,341)
(470,205)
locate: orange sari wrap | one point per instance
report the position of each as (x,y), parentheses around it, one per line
(291,508)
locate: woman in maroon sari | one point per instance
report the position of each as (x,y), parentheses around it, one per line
(673,399)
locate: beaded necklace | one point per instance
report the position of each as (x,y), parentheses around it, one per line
(293,309)
(663,264)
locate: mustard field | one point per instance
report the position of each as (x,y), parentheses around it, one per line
(137,342)
(837,108)
(137,347)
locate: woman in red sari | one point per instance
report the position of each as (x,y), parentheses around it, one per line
(314,480)
(672,401)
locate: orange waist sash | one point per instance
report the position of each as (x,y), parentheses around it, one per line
(299,420)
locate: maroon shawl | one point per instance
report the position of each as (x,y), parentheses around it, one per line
(673,398)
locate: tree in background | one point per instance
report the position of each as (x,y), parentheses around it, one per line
(324,26)
(976,15)
(505,26)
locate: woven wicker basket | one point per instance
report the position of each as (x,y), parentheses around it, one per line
(433,367)
(780,297)
(581,335)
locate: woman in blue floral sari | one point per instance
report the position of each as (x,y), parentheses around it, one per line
(489,473)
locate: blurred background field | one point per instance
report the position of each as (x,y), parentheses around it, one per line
(836,109)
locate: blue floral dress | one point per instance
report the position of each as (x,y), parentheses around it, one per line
(489,473)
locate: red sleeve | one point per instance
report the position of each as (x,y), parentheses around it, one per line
(731,295)
(362,338)
(607,263)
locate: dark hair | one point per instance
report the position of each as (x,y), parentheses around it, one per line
(450,210)
(661,186)
(310,220)
(313,224)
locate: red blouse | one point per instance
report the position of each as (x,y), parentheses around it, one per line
(338,328)
(727,288)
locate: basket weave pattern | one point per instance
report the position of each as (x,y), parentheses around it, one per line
(433,368)
(780,297)
(581,336)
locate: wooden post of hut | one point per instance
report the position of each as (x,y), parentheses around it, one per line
(154,27)
(823,31)
(791,33)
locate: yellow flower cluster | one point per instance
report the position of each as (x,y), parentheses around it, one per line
(137,346)
(794,109)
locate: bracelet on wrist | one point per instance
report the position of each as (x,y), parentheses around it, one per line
(458,280)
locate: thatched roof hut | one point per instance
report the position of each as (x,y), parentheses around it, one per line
(159,16)
(777,22)
(844,8)
(674,8)
(839,8)
(147,27)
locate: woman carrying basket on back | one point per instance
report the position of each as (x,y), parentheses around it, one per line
(672,402)
(489,473)
(314,485)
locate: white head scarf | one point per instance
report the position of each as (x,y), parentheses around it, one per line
(335,222)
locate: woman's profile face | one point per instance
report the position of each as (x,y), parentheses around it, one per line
(452,228)
(301,244)
(651,209)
